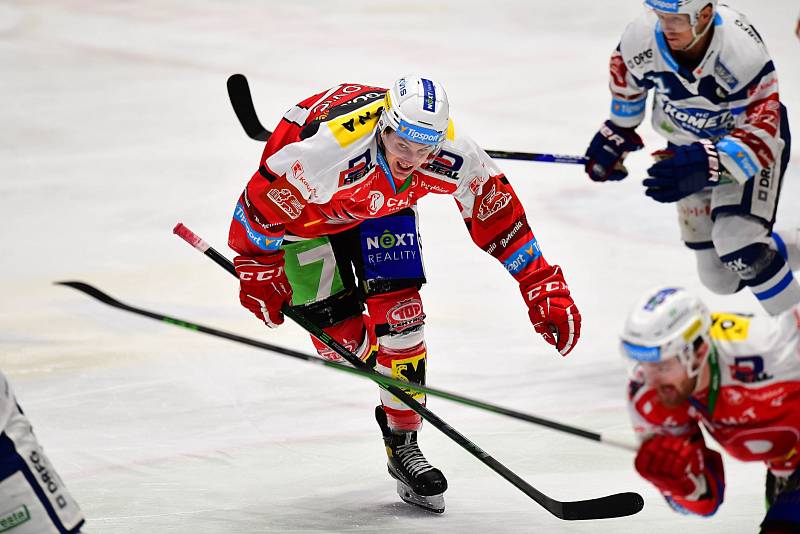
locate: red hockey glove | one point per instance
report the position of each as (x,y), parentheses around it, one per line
(551,309)
(264,288)
(676,465)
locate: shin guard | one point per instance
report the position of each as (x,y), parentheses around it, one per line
(399,319)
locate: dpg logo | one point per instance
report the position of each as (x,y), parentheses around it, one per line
(702,122)
(641,58)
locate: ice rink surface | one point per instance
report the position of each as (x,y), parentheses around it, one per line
(116,125)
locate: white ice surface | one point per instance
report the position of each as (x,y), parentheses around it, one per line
(116,125)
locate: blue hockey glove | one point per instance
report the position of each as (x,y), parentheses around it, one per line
(607,151)
(682,171)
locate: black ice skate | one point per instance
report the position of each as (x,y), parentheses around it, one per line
(418,482)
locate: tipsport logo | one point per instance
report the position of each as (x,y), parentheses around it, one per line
(418,134)
(701,122)
(522,257)
(258,239)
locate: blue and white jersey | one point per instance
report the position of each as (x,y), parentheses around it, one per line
(731,97)
(33,498)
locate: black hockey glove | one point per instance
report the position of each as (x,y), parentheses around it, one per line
(607,151)
(682,171)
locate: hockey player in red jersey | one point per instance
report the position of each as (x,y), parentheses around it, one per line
(736,375)
(715,101)
(328,224)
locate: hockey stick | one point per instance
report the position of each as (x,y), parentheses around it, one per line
(242,102)
(617,505)
(475,403)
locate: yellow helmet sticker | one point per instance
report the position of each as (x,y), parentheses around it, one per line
(690,333)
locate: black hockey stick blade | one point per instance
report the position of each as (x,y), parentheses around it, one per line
(617,505)
(242,102)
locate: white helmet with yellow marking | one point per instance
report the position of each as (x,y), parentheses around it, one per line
(667,323)
(416,109)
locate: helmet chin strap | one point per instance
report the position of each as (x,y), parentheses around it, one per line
(697,36)
(699,373)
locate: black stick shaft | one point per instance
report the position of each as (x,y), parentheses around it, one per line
(617,505)
(435,392)
(242,102)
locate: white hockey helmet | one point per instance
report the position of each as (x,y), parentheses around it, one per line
(416,109)
(687,7)
(667,323)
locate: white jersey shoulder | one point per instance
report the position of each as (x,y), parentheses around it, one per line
(707,102)
(462,160)
(757,350)
(318,164)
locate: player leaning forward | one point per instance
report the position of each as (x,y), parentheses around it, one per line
(736,375)
(715,101)
(328,224)
(33,498)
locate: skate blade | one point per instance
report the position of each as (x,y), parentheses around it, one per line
(432,503)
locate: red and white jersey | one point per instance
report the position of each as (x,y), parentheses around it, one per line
(322,172)
(756,414)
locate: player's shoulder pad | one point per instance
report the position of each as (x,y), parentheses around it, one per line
(743,55)
(348,122)
(736,334)
(730,327)
(638,44)
(455,157)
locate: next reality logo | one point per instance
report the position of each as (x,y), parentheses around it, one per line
(390,247)
(389,240)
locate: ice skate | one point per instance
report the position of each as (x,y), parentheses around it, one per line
(418,482)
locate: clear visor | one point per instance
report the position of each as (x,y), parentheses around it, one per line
(673,22)
(668,363)
(405,149)
(668,371)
